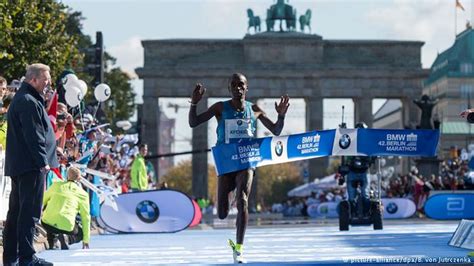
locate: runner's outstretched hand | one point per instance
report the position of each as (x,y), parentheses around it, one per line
(198,92)
(282,107)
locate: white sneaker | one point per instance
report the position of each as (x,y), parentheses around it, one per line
(238,256)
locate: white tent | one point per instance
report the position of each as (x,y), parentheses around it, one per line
(305,190)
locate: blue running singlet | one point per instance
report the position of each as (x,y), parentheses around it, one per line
(234,126)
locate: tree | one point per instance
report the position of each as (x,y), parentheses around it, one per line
(274,182)
(32,32)
(51,33)
(179,177)
(121,104)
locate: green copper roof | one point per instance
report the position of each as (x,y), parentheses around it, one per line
(448,63)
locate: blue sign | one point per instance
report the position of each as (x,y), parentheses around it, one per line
(280,149)
(397,142)
(450,206)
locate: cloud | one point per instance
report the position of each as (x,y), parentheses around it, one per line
(129,54)
(429,21)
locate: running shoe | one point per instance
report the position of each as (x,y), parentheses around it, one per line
(238,255)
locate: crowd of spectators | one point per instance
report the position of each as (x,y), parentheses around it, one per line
(80,138)
(454,175)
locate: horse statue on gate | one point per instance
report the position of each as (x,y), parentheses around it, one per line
(270,22)
(305,20)
(254,21)
(291,21)
(281,11)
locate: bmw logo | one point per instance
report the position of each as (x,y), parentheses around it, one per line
(239,122)
(147,211)
(345,141)
(392,208)
(279,148)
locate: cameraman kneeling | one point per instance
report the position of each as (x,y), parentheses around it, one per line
(63,201)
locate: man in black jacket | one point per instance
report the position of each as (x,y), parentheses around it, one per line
(30,153)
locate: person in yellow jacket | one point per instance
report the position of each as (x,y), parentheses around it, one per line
(139,176)
(63,201)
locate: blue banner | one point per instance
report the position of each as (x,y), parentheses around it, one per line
(398,142)
(450,206)
(280,149)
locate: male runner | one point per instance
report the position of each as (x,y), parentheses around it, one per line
(236,120)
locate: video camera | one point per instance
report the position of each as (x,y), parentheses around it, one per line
(343,169)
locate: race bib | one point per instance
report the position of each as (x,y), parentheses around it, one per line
(240,128)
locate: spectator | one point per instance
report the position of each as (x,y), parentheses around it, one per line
(3,122)
(150,169)
(164,185)
(14,86)
(438,183)
(3,89)
(63,201)
(139,176)
(30,152)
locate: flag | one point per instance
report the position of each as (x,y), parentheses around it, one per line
(57,173)
(459,5)
(53,105)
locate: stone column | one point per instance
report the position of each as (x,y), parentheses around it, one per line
(410,119)
(199,160)
(410,113)
(314,121)
(363,111)
(150,128)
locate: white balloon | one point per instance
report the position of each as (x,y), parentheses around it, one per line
(73,96)
(120,123)
(82,86)
(102,92)
(124,124)
(69,81)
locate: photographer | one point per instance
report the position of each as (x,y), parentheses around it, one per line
(63,201)
(64,124)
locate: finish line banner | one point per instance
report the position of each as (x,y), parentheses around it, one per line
(335,142)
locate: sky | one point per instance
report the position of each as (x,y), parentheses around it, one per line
(124,24)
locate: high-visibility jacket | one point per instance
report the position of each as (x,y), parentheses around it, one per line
(138,174)
(3,135)
(63,201)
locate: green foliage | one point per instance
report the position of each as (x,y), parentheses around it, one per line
(274,182)
(121,104)
(180,178)
(32,32)
(48,32)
